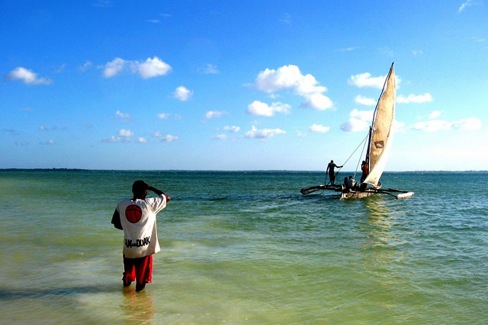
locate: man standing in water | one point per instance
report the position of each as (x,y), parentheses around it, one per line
(137,217)
(330,170)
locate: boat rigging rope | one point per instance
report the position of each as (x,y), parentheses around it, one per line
(357,166)
(361,155)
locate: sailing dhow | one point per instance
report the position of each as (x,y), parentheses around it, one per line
(379,144)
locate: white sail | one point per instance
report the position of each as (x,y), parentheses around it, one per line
(381,131)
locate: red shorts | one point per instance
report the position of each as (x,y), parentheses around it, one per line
(139,269)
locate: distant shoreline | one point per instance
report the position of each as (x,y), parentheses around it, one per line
(229,171)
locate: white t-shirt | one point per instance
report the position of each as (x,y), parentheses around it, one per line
(138,219)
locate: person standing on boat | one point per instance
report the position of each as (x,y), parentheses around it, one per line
(365,170)
(330,169)
(137,218)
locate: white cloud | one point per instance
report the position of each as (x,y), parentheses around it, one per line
(164,138)
(289,77)
(478,39)
(366,80)
(301,134)
(121,115)
(86,66)
(418,99)
(354,125)
(263,109)
(141,140)
(213,114)
(435,114)
(163,116)
(112,139)
(210,69)
(169,138)
(221,137)
(148,69)
(398,126)
(432,126)
(308,85)
(49,142)
(317,128)
(232,128)
(442,125)
(114,67)
(286,77)
(362,115)
(152,68)
(465,4)
(43,128)
(61,68)
(182,93)
(28,77)
(318,101)
(365,101)
(254,133)
(126,133)
(286,18)
(471,123)
(347,49)
(358,121)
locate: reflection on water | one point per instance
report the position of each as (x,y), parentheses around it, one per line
(380,222)
(137,307)
(383,245)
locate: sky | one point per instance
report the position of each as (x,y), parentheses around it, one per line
(240,85)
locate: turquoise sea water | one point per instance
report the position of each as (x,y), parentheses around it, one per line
(246,248)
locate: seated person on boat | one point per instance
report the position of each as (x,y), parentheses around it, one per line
(349,184)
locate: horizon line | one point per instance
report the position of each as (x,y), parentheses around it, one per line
(231,170)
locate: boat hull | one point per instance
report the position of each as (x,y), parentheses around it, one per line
(357,194)
(398,194)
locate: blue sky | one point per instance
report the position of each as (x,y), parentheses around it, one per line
(240,85)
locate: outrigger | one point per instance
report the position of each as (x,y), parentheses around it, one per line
(379,142)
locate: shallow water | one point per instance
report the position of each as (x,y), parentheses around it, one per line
(246,248)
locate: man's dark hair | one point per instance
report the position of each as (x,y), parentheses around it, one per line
(139,187)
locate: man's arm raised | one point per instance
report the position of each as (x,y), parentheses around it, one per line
(159,192)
